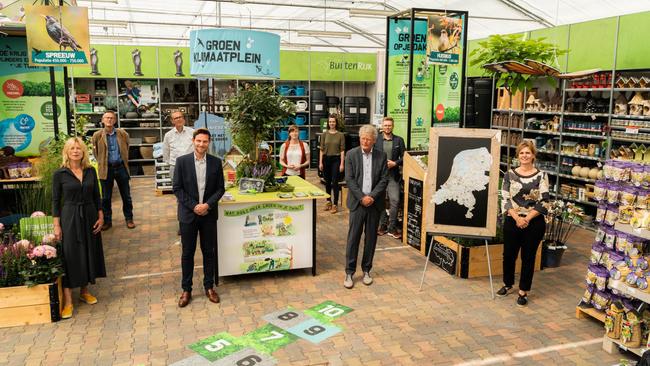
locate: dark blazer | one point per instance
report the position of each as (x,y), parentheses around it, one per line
(397,155)
(186,191)
(354,178)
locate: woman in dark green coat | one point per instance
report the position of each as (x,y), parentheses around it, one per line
(78,219)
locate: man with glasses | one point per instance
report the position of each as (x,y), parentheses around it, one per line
(177,141)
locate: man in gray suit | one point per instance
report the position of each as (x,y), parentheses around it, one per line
(366,175)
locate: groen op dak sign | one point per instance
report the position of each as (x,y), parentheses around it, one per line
(234,53)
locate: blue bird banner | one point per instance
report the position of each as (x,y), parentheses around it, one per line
(234,53)
(57,35)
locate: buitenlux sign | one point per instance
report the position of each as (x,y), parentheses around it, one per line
(234,53)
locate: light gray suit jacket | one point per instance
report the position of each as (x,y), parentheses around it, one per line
(354,178)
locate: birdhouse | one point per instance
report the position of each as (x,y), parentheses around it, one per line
(229,166)
(234,155)
(633,82)
(644,82)
(646,107)
(636,104)
(621,82)
(531,103)
(620,105)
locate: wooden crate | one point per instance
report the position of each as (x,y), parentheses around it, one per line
(22,305)
(583,312)
(503,100)
(472,261)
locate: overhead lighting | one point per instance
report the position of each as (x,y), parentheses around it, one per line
(109,23)
(111,37)
(329,34)
(373,13)
(300,46)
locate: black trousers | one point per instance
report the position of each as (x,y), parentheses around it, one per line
(120,175)
(362,219)
(331,173)
(527,240)
(206,228)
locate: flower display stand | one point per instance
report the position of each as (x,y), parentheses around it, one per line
(22,305)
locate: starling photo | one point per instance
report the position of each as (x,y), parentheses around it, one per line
(60,34)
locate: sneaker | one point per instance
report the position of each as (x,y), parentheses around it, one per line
(395,234)
(328,206)
(88,298)
(503,291)
(382,230)
(367,280)
(66,313)
(348,283)
(522,300)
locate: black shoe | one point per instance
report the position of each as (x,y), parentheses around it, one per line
(382,230)
(522,300)
(503,291)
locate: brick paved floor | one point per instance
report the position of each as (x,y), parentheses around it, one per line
(452,321)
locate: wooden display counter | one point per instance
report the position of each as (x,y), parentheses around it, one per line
(263,232)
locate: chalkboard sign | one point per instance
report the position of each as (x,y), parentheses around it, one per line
(414,213)
(442,256)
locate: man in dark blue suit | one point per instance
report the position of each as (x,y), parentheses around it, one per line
(366,175)
(198,186)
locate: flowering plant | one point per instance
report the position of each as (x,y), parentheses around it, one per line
(23,263)
(561,221)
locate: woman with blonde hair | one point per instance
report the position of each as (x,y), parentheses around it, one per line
(524,197)
(78,220)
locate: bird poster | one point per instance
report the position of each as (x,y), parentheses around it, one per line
(444,38)
(57,35)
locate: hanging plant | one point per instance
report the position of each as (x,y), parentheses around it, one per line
(513,47)
(254,111)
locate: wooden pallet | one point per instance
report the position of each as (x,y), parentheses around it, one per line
(160,192)
(586,312)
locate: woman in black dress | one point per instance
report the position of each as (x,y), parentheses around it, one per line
(78,219)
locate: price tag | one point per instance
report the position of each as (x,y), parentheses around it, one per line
(328,311)
(217,346)
(247,357)
(287,318)
(632,130)
(314,331)
(268,339)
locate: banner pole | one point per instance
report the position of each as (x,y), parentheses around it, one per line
(426,262)
(487,252)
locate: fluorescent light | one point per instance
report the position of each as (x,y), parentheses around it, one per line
(301,46)
(111,37)
(329,34)
(370,13)
(109,23)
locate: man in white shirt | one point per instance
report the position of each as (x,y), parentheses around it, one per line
(177,141)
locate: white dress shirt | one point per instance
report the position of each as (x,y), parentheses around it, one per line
(201,167)
(177,143)
(366,187)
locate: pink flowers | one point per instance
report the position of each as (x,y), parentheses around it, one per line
(48,238)
(2,226)
(23,243)
(40,251)
(38,214)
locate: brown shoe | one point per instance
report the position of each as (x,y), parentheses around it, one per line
(212,295)
(185,299)
(106,226)
(130,224)
(328,206)
(382,230)
(334,209)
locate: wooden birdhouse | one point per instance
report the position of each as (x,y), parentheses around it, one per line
(620,105)
(235,155)
(636,104)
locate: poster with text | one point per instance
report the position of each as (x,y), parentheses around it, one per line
(26,110)
(444,39)
(397,83)
(57,35)
(263,237)
(448,89)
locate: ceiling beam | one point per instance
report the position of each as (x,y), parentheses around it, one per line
(513,5)
(361,32)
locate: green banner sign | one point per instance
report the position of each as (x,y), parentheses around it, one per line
(263,206)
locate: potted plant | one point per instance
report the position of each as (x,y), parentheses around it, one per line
(561,222)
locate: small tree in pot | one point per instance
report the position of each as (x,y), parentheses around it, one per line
(254,112)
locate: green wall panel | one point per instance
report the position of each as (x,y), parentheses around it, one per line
(105,63)
(558,36)
(167,64)
(294,65)
(326,66)
(477,70)
(125,67)
(359,66)
(633,47)
(591,45)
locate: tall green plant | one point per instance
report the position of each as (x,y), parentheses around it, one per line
(253,114)
(512,47)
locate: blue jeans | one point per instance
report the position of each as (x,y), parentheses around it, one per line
(121,176)
(393,190)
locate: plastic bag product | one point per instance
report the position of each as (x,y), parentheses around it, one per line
(628,195)
(600,190)
(596,253)
(600,235)
(590,279)
(637,174)
(611,215)
(640,219)
(600,212)
(613,192)
(642,196)
(625,214)
(586,296)
(602,275)
(600,300)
